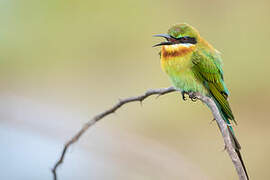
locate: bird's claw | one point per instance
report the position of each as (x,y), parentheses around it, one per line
(193,96)
(184,95)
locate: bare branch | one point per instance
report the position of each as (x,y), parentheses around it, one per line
(223,126)
(98,117)
(207,100)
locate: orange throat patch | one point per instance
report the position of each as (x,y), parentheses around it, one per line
(177,50)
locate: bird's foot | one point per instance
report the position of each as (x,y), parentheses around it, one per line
(184,95)
(192,96)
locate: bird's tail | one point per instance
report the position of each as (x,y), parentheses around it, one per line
(235,142)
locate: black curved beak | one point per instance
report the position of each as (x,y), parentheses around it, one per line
(167,36)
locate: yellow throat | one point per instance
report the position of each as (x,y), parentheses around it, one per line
(177,56)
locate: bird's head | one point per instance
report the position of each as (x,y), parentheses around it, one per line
(180,34)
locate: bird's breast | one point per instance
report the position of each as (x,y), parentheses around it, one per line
(176,61)
(176,58)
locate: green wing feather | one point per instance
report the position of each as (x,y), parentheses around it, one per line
(208,69)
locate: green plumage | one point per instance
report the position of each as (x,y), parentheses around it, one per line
(207,68)
(193,65)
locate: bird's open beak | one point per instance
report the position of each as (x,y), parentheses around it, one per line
(167,36)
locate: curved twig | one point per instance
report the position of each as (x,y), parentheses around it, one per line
(207,100)
(98,117)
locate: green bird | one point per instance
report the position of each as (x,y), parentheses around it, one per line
(193,65)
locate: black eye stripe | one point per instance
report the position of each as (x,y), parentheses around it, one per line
(185,39)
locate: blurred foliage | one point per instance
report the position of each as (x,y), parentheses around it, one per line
(84,55)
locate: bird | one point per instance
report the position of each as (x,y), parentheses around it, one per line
(195,66)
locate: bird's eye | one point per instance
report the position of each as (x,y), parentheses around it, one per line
(185,39)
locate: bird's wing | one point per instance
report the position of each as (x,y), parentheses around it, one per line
(207,67)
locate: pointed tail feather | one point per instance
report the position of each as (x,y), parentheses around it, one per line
(234,140)
(237,147)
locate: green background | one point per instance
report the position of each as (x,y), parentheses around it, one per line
(62,62)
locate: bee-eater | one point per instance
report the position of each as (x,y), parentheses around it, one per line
(193,65)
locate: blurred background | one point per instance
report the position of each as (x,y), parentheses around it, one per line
(64,61)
